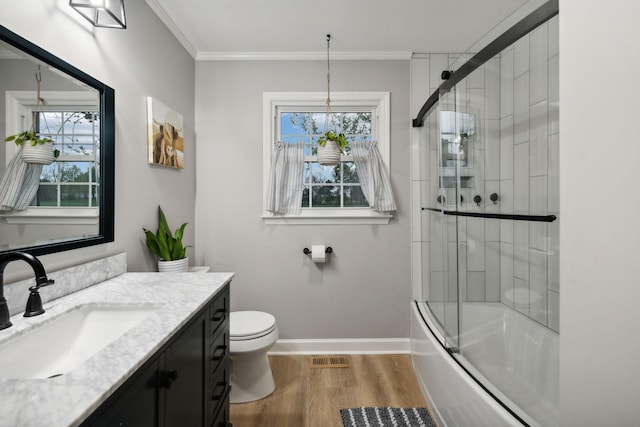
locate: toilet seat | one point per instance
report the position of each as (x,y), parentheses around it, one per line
(249,325)
(522,298)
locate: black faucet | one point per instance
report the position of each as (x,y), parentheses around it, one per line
(34,303)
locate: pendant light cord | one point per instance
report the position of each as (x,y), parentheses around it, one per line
(328,82)
(39,99)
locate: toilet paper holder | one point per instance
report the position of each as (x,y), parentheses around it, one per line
(327,250)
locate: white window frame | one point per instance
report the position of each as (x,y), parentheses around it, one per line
(272,101)
(18,104)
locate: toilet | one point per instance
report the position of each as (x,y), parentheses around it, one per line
(251,335)
(523,299)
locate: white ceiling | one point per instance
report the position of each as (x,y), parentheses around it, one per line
(228,29)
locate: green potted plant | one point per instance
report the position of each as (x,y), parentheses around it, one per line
(35,149)
(167,246)
(330,145)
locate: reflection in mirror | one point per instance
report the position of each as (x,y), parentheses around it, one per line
(458,133)
(457,130)
(51,204)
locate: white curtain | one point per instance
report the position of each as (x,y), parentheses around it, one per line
(286,180)
(373,176)
(19,184)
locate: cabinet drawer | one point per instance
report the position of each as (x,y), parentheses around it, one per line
(219,311)
(219,387)
(221,417)
(219,349)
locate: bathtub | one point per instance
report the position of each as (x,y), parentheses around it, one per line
(506,373)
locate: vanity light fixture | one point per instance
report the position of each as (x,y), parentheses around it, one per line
(101,13)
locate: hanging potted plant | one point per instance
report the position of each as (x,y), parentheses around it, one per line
(168,247)
(330,146)
(35,149)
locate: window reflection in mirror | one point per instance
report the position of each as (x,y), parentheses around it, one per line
(59,102)
(457,132)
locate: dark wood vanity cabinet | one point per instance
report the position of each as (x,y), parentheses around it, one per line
(185,384)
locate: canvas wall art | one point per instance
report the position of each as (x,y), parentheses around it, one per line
(165,135)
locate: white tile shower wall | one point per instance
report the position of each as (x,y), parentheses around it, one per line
(538,64)
(521,57)
(492,272)
(538,140)
(420,173)
(521,108)
(531,140)
(506,149)
(515,99)
(491,152)
(492,88)
(521,178)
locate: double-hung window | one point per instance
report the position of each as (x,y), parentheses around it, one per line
(71,181)
(331,194)
(68,192)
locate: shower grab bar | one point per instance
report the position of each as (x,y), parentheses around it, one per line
(515,217)
(520,29)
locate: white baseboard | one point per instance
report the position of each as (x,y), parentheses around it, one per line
(342,346)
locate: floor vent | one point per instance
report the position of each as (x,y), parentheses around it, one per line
(329,362)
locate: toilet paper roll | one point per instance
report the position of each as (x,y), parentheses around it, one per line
(318,254)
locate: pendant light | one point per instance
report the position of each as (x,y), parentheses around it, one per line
(101,13)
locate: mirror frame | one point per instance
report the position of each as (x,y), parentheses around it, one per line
(107,148)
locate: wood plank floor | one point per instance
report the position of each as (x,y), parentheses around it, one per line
(313,397)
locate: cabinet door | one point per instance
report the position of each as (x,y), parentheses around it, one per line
(136,406)
(185,362)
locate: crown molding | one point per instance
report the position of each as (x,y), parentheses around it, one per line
(168,22)
(267,56)
(301,56)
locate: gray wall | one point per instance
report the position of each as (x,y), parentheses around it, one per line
(143,60)
(599,152)
(364,290)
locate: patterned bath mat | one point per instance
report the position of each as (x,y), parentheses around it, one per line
(386,417)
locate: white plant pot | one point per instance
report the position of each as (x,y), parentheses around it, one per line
(176,266)
(329,155)
(40,154)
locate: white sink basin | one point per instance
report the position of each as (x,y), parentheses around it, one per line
(59,345)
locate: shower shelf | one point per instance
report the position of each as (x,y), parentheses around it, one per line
(536,218)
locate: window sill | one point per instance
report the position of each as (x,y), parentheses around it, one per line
(76,216)
(328,217)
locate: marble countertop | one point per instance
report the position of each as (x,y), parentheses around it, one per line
(69,399)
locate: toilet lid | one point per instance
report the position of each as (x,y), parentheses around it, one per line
(522,296)
(250,324)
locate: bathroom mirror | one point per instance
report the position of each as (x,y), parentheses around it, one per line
(73,206)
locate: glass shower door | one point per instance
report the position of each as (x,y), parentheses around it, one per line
(490,274)
(506,226)
(452,160)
